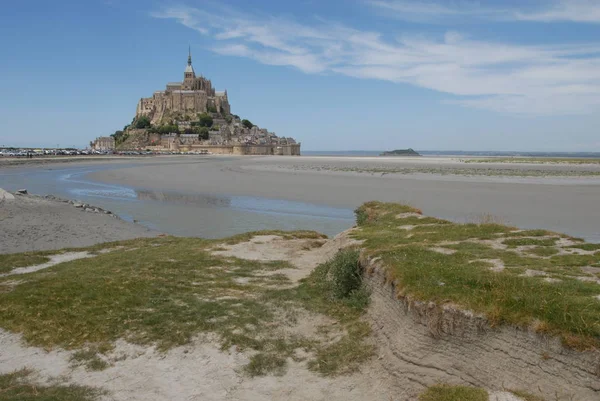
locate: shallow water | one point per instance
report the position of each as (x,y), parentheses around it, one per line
(186,214)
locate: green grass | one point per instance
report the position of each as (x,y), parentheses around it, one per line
(300,234)
(515,242)
(14,260)
(543,251)
(90,357)
(15,387)
(566,308)
(587,247)
(165,291)
(444,392)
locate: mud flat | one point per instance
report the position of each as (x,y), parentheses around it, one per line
(557,197)
(34,223)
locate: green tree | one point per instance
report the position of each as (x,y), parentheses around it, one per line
(143,122)
(168,128)
(202,132)
(247,123)
(205,120)
(228,118)
(120,137)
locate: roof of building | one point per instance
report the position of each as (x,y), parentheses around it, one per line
(174,84)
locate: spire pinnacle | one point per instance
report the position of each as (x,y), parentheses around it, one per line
(190,55)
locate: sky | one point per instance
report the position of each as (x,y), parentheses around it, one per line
(334,74)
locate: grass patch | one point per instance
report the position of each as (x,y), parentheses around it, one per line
(343,273)
(587,247)
(165,291)
(14,260)
(566,308)
(445,392)
(300,234)
(543,251)
(263,363)
(515,242)
(90,358)
(15,387)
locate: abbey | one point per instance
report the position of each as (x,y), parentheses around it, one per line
(191,116)
(192,96)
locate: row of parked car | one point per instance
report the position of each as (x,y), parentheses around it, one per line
(49,152)
(75,152)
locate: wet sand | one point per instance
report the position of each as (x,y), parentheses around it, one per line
(565,204)
(31,223)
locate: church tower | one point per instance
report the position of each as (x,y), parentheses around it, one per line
(189,76)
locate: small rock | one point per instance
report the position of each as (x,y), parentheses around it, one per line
(107,212)
(21,192)
(80,205)
(4,195)
(87,209)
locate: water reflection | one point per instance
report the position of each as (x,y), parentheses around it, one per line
(185,214)
(185,199)
(246,203)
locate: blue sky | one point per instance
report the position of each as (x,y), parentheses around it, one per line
(336,75)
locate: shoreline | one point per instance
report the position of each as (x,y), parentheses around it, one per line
(43,223)
(527,202)
(530,203)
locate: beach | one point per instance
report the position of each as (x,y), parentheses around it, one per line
(557,197)
(32,223)
(217,196)
(259,315)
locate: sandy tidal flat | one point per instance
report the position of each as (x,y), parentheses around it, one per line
(31,223)
(556,197)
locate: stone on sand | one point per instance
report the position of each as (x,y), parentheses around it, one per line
(5,195)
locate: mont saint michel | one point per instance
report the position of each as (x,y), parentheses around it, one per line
(437,240)
(191,116)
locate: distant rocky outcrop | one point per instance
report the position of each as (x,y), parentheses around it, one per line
(401,152)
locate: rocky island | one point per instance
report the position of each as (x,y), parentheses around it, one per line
(401,152)
(191,116)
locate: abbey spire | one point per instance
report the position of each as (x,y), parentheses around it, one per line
(189,70)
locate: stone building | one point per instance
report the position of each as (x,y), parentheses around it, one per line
(104,143)
(188,98)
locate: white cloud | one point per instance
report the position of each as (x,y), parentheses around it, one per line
(566,10)
(420,10)
(431,11)
(511,78)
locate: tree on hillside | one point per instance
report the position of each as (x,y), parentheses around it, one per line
(202,132)
(120,137)
(247,123)
(143,122)
(205,120)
